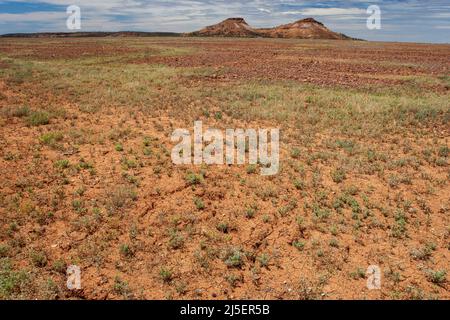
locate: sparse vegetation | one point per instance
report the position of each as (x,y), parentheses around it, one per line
(38,118)
(364,169)
(193,179)
(38,258)
(437,277)
(234,258)
(165,274)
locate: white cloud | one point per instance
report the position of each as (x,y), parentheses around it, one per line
(327,11)
(43,16)
(264,10)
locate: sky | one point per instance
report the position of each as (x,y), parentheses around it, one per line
(401,20)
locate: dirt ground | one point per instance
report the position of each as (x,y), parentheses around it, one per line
(87,178)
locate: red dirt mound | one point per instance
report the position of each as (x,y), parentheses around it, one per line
(232,27)
(303,29)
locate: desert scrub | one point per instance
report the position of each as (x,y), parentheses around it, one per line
(12,283)
(199,203)
(443,151)
(234,258)
(319,212)
(437,277)
(118,147)
(62,164)
(233,279)
(223,227)
(264,260)
(165,274)
(126,251)
(338,175)
(399,227)
(17,112)
(129,163)
(299,184)
(19,73)
(250,212)
(334,243)
(295,153)
(84,165)
(51,138)
(309,290)
(121,287)
(4,250)
(38,258)
(284,210)
(120,196)
(218,115)
(147,151)
(60,266)
(359,273)
(38,118)
(251,169)
(423,253)
(193,179)
(78,206)
(176,239)
(298,244)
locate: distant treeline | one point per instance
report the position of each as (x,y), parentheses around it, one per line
(90,34)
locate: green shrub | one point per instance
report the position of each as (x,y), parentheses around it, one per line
(263,260)
(38,118)
(118,147)
(51,138)
(17,112)
(126,251)
(234,258)
(39,259)
(295,153)
(223,227)
(299,184)
(11,282)
(62,164)
(437,277)
(176,239)
(338,175)
(300,245)
(199,203)
(193,179)
(165,274)
(4,250)
(251,168)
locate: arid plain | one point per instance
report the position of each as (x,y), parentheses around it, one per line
(87,178)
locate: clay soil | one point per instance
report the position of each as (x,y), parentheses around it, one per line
(87,178)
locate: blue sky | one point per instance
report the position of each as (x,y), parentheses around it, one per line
(402,20)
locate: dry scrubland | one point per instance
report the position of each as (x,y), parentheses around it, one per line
(87,179)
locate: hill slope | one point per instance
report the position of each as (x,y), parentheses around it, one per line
(303,29)
(232,27)
(308,28)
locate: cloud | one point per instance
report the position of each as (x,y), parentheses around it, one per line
(327,12)
(264,10)
(32,17)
